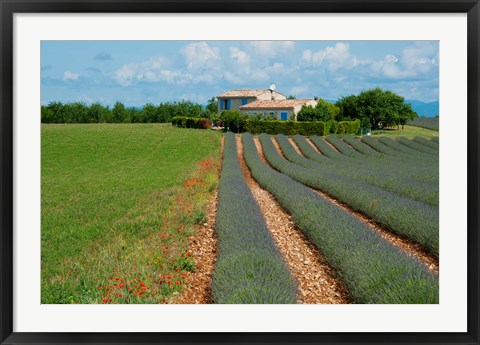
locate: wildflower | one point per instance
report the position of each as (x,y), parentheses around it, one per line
(188,254)
(142,284)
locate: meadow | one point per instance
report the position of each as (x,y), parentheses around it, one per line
(118,204)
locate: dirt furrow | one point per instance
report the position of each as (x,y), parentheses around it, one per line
(294,144)
(314,275)
(408,246)
(313,146)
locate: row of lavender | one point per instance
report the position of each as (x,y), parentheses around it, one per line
(373,270)
(402,215)
(249,268)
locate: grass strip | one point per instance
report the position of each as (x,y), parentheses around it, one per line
(403,216)
(373,270)
(249,268)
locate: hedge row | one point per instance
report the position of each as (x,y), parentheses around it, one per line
(348,127)
(191,122)
(287,127)
(249,268)
(381,177)
(299,127)
(401,215)
(373,270)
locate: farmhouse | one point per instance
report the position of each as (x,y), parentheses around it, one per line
(262,102)
(283,109)
(234,99)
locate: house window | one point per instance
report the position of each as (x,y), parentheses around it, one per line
(226,104)
(244,101)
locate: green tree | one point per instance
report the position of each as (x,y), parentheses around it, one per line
(119,113)
(323,111)
(232,120)
(212,105)
(348,108)
(377,108)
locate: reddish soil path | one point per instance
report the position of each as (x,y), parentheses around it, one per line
(315,277)
(203,247)
(312,145)
(408,246)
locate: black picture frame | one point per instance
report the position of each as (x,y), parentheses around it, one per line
(9,7)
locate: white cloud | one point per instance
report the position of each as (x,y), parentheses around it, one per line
(390,58)
(239,56)
(150,71)
(417,60)
(419,55)
(299,90)
(67,75)
(333,58)
(201,56)
(233,78)
(269,49)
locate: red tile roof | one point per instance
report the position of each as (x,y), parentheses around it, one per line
(280,104)
(243,93)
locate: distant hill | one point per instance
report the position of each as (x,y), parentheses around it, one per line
(424,109)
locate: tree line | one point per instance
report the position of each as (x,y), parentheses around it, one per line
(78,112)
(374,108)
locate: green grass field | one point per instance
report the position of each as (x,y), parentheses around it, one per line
(113,198)
(408,132)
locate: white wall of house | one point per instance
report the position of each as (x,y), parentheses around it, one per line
(236,102)
(267,96)
(277,112)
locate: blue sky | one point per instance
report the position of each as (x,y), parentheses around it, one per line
(139,72)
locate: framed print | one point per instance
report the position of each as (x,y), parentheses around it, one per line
(237,172)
